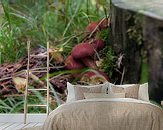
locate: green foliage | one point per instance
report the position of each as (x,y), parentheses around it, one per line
(135,30)
(16,104)
(9,44)
(11,50)
(103,34)
(109,61)
(10,105)
(60,22)
(144,72)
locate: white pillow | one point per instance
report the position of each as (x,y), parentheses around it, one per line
(71,92)
(142,94)
(103,95)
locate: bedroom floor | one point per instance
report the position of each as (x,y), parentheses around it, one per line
(17,126)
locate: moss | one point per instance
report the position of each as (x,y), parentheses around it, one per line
(144,72)
(109,61)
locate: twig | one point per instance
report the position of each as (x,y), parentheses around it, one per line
(24,71)
(5,78)
(19,73)
(96,28)
(56,76)
(123,73)
(35,78)
(42,68)
(14,95)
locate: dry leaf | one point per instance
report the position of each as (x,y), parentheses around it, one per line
(19,83)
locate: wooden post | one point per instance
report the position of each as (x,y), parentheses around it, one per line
(47,107)
(26,88)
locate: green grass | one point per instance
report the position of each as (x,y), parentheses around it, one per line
(15,104)
(61,22)
(11,105)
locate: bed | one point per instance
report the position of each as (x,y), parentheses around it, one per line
(106,114)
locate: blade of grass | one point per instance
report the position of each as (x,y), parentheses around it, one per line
(4,104)
(6,11)
(72,18)
(18,105)
(55,94)
(68,72)
(10,100)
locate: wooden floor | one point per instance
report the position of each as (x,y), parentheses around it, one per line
(17,126)
(16,121)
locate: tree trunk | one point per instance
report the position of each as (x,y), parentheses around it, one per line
(139,36)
